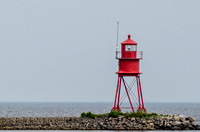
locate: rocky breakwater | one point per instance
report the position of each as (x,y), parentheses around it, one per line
(173,122)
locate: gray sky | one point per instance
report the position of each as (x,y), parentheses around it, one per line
(64,50)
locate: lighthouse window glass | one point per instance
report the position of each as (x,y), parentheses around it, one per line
(131,48)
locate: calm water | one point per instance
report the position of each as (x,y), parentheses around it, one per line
(74,109)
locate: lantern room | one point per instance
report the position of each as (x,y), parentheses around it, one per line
(129,57)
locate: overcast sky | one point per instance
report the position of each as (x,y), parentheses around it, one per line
(64,50)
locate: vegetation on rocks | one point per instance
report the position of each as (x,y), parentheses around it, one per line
(116,114)
(92,115)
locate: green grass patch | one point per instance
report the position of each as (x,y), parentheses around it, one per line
(91,115)
(140,114)
(116,114)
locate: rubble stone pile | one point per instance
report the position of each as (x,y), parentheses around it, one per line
(173,122)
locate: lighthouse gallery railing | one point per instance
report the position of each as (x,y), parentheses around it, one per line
(139,55)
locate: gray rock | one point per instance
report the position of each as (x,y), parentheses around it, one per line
(151,124)
(177,123)
(132,119)
(176,128)
(191,119)
(168,125)
(198,127)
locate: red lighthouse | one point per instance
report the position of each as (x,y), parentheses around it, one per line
(129,59)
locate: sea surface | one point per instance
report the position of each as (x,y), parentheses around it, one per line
(75,109)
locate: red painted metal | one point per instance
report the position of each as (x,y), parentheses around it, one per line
(138,89)
(116,93)
(141,93)
(129,60)
(119,89)
(129,41)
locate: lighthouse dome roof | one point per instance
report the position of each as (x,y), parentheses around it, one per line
(129,41)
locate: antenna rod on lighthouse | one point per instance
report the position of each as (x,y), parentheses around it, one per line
(117,35)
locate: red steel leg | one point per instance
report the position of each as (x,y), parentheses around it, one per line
(141,93)
(119,89)
(127,94)
(138,89)
(116,94)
